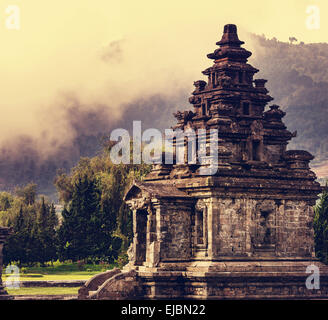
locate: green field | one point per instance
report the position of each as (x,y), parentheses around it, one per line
(43,291)
(49,277)
(57,271)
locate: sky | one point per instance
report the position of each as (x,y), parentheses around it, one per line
(105,52)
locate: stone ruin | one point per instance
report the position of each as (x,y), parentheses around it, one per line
(245,232)
(4,234)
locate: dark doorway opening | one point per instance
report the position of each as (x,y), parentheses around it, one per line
(256,155)
(246,108)
(199,227)
(141,228)
(240,76)
(204,109)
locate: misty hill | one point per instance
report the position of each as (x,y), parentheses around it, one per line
(297,79)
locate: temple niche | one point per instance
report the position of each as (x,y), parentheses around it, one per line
(245,231)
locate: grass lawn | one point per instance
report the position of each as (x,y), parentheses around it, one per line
(57,271)
(60,271)
(49,277)
(43,291)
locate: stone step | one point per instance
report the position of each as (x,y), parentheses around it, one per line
(92,292)
(264,252)
(201,253)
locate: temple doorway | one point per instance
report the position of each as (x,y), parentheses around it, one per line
(141,228)
(200,232)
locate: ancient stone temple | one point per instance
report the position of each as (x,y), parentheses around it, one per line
(244,232)
(4,233)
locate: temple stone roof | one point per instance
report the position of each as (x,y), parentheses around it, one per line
(155,190)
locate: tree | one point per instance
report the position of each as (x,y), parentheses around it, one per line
(53,219)
(109,222)
(15,248)
(321,228)
(79,232)
(45,232)
(292,39)
(27,193)
(6,201)
(125,224)
(34,235)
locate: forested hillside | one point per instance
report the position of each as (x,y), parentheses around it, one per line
(298,80)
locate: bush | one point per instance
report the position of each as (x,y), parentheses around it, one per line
(80,265)
(23,270)
(122,260)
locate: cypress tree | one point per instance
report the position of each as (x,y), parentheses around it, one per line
(79,231)
(15,247)
(43,235)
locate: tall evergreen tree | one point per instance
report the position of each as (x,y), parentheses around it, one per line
(108,221)
(88,226)
(15,247)
(45,233)
(78,232)
(34,234)
(53,219)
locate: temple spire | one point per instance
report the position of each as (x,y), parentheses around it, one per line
(230,36)
(230,46)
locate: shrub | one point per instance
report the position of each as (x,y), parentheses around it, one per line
(80,264)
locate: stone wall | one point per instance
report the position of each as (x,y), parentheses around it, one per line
(295,232)
(175,231)
(272,153)
(241,226)
(229,216)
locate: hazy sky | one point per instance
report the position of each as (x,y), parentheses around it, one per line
(109,52)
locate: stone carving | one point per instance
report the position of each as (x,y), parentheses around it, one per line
(224,109)
(184,117)
(264,230)
(225,81)
(257,128)
(274,114)
(199,85)
(130,253)
(194,100)
(200,205)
